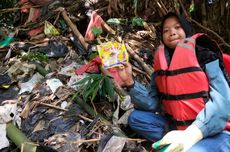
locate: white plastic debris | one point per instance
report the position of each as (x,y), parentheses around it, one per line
(74,79)
(29,85)
(4,141)
(69,70)
(64,104)
(126,103)
(115,144)
(8,111)
(54,84)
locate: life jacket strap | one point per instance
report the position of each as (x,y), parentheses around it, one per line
(179,122)
(203,94)
(176,72)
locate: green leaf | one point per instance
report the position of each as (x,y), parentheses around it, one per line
(91,89)
(113,21)
(109,87)
(191,8)
(34,56)
(97,31)
(137,21)
(96,83)
(103,89)
(117,21)
(95,92)
(82,81)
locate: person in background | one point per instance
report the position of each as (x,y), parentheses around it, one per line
(187,105)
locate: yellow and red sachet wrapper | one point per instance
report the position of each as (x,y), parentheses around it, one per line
(112,54)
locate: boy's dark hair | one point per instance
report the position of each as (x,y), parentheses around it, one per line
(183,21)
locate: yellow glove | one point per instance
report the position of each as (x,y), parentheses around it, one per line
(178,140)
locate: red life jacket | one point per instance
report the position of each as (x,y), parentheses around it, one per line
(183,85)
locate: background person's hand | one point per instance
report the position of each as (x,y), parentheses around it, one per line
(180,141)
(125,74)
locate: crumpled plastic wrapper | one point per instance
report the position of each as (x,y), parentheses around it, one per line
(115,144)
(125,104)
(19,70)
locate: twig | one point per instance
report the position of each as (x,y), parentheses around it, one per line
(98,139)
(142,72)
(16,8)
(203,27)
(73,27)
(183,8)
(160,7)
(57,17)
(138,59)
(84,141)
(85,118)
(94,108)
(52,106)
(163,6)
(211,31)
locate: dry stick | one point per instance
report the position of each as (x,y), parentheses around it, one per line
(107,28)
(142,72)
(73,27)
(17,8)
(207,29)
(160,7)
(52,106)
(183,8)
(57,17)
(25,112)
(138,59)
(203,13)
(211,31)
(98,139)
(163,6)
(85,118)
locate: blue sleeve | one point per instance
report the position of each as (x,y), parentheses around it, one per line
(144,99)
(212,119)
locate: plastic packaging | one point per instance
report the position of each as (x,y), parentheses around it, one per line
(112,54)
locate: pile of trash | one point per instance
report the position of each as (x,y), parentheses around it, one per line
(59,89)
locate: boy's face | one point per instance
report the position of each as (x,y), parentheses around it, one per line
(172,32)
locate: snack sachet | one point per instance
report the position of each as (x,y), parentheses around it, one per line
(112,54)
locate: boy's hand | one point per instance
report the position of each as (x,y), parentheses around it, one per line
(125,74)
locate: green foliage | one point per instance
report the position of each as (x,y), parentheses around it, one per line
(117,21)
(97,31)
(34,56)
(94,84)
(191,8)
(137,21)
(93,55)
